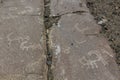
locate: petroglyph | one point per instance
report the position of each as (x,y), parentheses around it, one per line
(80,30)
(24,42)
(89,62)
(67,50)
(81,42)
(106,52)
(6,17)
(98,56)
(18,38)
(30,46)
(34,67)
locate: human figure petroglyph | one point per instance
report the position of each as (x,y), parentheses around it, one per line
(92,63)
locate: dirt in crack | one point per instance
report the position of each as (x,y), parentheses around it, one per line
(48,22)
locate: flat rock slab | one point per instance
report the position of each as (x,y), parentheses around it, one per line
(22,7)
(79,52)
(59,7)
(22,43)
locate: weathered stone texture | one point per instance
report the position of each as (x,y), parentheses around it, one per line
(22,43)
(79,52)
(67,6)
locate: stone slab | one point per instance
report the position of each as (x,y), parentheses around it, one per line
(79,52)
(22,43)
(22,7)
(67,6)
(83,23)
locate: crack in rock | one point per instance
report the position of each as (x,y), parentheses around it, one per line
(49,21)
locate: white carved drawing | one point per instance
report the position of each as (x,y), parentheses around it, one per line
(18,38)
(81,30)
(24,41)
(86,61)
(7,17)
(67,50)
(106,52)
(80,42)
(30,46)
(98,55)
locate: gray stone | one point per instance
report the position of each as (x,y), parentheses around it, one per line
(67,6)
(22,43)
(79,51)
(83,23)
(22,7)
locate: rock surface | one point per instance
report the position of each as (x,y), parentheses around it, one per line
(22,45)
(79,51)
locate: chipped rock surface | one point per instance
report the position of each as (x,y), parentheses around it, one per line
(21,40)
(79,51)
